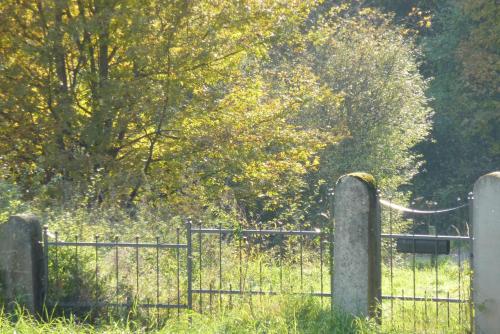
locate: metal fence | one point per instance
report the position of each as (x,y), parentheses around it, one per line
(427,274)
(96,281)
(116,273)
(212,266)
(254,245)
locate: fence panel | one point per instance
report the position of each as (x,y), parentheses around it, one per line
(247,262)
(425,282)
(219,264)
(427,277)
(94,275)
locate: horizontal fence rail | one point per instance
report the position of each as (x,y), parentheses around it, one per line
(255,232)
(424,237)
(428,299)
(123,305)
(214,265)
(426,269)
(268,248)
(192,270)
(113,244)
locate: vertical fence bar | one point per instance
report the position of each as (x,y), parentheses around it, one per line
(157,280)
(436,266)
(281,259)
(240,256)
(426,317)
(220,266)
(96,270)
(77,268)
(403,308)
(200,267)
(116,272)
(260,259)
(57,260)
(448,308)
(189,266)
(246,240)
(177,253)
(414,279)
(250,295)
(137,268)
(471,259)
(459,280)
(210,297)
(45,262)
(301,240)
(321,265)
(332,240)
(391,263)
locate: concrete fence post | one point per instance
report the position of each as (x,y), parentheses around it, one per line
(486,253)
(21,263)
(357,267)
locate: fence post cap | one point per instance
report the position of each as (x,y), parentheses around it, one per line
(25,217)
(366,178)
(487,177)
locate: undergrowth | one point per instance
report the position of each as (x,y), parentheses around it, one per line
(275,315)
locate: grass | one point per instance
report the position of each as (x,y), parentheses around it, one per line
(280,314)
(72,278)
(283,314)
(426,316)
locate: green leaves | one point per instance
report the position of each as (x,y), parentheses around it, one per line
(243,109)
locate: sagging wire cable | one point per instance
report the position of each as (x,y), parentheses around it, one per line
(394,206)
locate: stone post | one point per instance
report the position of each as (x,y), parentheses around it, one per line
(486,252)
(357,267)
(21,263)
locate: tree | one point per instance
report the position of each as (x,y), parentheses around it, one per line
(372,65)
(462,55)
(242,109)
(90,88)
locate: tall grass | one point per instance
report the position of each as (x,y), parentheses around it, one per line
(266,314)
(259,313)
(284,314)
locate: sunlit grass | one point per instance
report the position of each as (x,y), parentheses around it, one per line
(283,314)
(427,316)
(259,265)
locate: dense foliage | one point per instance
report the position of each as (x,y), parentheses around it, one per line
(461,54)
(247,110)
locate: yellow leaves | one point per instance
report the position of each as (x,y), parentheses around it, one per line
(419,19)
(250,136)
(191,92)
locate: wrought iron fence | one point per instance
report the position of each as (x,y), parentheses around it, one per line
(97,293)
(116,271)
(274,260)
(212,266)
(428,277)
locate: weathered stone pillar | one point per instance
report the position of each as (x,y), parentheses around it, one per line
(21,263)
(486,250)
(357,268)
